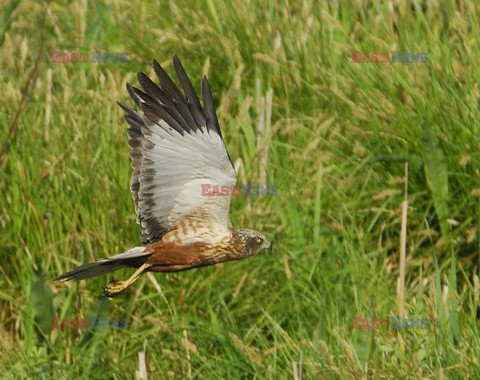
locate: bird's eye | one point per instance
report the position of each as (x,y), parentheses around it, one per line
(258,240)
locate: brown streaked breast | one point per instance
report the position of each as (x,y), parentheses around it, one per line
(171,257)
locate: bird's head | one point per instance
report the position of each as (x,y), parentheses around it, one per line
(253,241)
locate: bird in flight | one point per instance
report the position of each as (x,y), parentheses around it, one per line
(176,147)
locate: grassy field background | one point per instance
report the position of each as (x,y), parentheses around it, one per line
(334,136)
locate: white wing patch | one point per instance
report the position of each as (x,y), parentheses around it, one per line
(181,165)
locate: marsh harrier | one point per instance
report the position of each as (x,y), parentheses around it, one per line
(176,146)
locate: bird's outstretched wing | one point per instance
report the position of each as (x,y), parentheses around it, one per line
(176,146)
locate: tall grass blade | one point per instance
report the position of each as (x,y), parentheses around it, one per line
(42,301)
(436,173)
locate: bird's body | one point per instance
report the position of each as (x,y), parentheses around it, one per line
(176,147)
(171,257)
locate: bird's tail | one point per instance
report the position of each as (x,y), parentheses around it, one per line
(134,257)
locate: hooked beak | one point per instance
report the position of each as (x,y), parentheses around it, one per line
(269,246)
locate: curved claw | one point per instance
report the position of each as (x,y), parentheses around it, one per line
(114,288)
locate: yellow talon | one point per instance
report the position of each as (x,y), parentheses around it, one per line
(115,288)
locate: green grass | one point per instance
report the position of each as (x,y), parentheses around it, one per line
(338,140)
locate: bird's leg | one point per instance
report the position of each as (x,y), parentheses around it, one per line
(115,288)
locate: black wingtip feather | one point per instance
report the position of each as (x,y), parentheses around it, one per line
(212,121)
(133,95)
(156,113)
(150,87)
(132,114)
(161,98)
(143,97)
(135,126)
(184,113)
(166,83)
(190,94)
